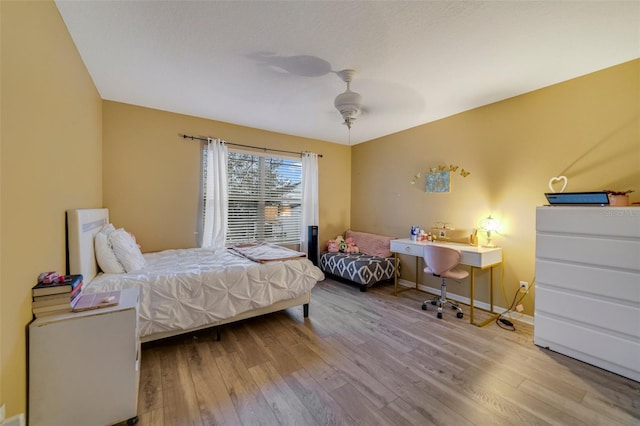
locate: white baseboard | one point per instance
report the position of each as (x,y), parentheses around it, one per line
(527,319)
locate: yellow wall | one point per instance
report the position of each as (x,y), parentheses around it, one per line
(51,161)
(151,175)
(586,129)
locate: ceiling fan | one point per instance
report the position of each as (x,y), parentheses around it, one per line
(348,103)
(384,97)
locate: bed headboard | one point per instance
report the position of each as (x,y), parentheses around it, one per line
(82,226)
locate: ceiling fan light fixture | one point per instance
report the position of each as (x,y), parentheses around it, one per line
(348,103)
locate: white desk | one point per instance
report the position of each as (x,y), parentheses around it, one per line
(474,257)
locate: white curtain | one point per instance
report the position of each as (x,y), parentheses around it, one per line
(310,211)
(214,232)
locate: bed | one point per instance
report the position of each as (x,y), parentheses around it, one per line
(185,290)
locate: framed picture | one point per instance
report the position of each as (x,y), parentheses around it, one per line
(439,181)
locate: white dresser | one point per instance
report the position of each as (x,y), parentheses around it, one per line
(84,367)
(587,297)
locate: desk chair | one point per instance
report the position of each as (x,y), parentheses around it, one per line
(442,262)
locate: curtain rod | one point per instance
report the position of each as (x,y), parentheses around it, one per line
(196,138)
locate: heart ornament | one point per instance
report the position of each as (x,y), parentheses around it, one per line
(555,179)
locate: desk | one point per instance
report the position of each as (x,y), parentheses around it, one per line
(474,257)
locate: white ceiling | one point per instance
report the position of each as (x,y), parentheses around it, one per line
(270,64)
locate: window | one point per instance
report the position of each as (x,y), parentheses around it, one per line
(264,198)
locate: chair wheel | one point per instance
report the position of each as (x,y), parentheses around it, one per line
(440,315)
(459,314)
(424,306)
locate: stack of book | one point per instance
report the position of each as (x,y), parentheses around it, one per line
(56,297)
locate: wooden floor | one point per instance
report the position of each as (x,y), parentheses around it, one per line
(373,359)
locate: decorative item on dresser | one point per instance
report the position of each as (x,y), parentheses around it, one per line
(618,198)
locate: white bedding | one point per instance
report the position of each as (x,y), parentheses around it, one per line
(191,288)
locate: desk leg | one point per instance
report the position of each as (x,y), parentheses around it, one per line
(493,315)
(395,275)
(472,295)
(491,289)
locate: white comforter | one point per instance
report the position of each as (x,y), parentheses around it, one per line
(190,288)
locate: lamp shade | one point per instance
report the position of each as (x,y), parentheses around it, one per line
(489,224)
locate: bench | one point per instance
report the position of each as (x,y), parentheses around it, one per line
(374,262)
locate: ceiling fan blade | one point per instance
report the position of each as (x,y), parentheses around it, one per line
(384,97)
(300,65)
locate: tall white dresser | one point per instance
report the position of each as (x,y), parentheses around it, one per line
(587,298)
(84,368)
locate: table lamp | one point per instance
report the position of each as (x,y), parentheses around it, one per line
(489,225)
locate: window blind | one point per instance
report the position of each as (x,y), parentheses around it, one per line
(264,198)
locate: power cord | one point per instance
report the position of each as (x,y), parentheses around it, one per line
(505,323)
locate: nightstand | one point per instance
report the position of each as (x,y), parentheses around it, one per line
(84,368)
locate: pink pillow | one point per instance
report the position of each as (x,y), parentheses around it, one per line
(371,244)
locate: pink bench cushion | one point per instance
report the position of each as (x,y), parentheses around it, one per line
(371,244)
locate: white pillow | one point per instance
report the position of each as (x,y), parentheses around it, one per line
(105,256)
(108,229)
(126,250)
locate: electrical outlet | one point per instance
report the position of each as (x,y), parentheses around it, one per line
(524,286)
